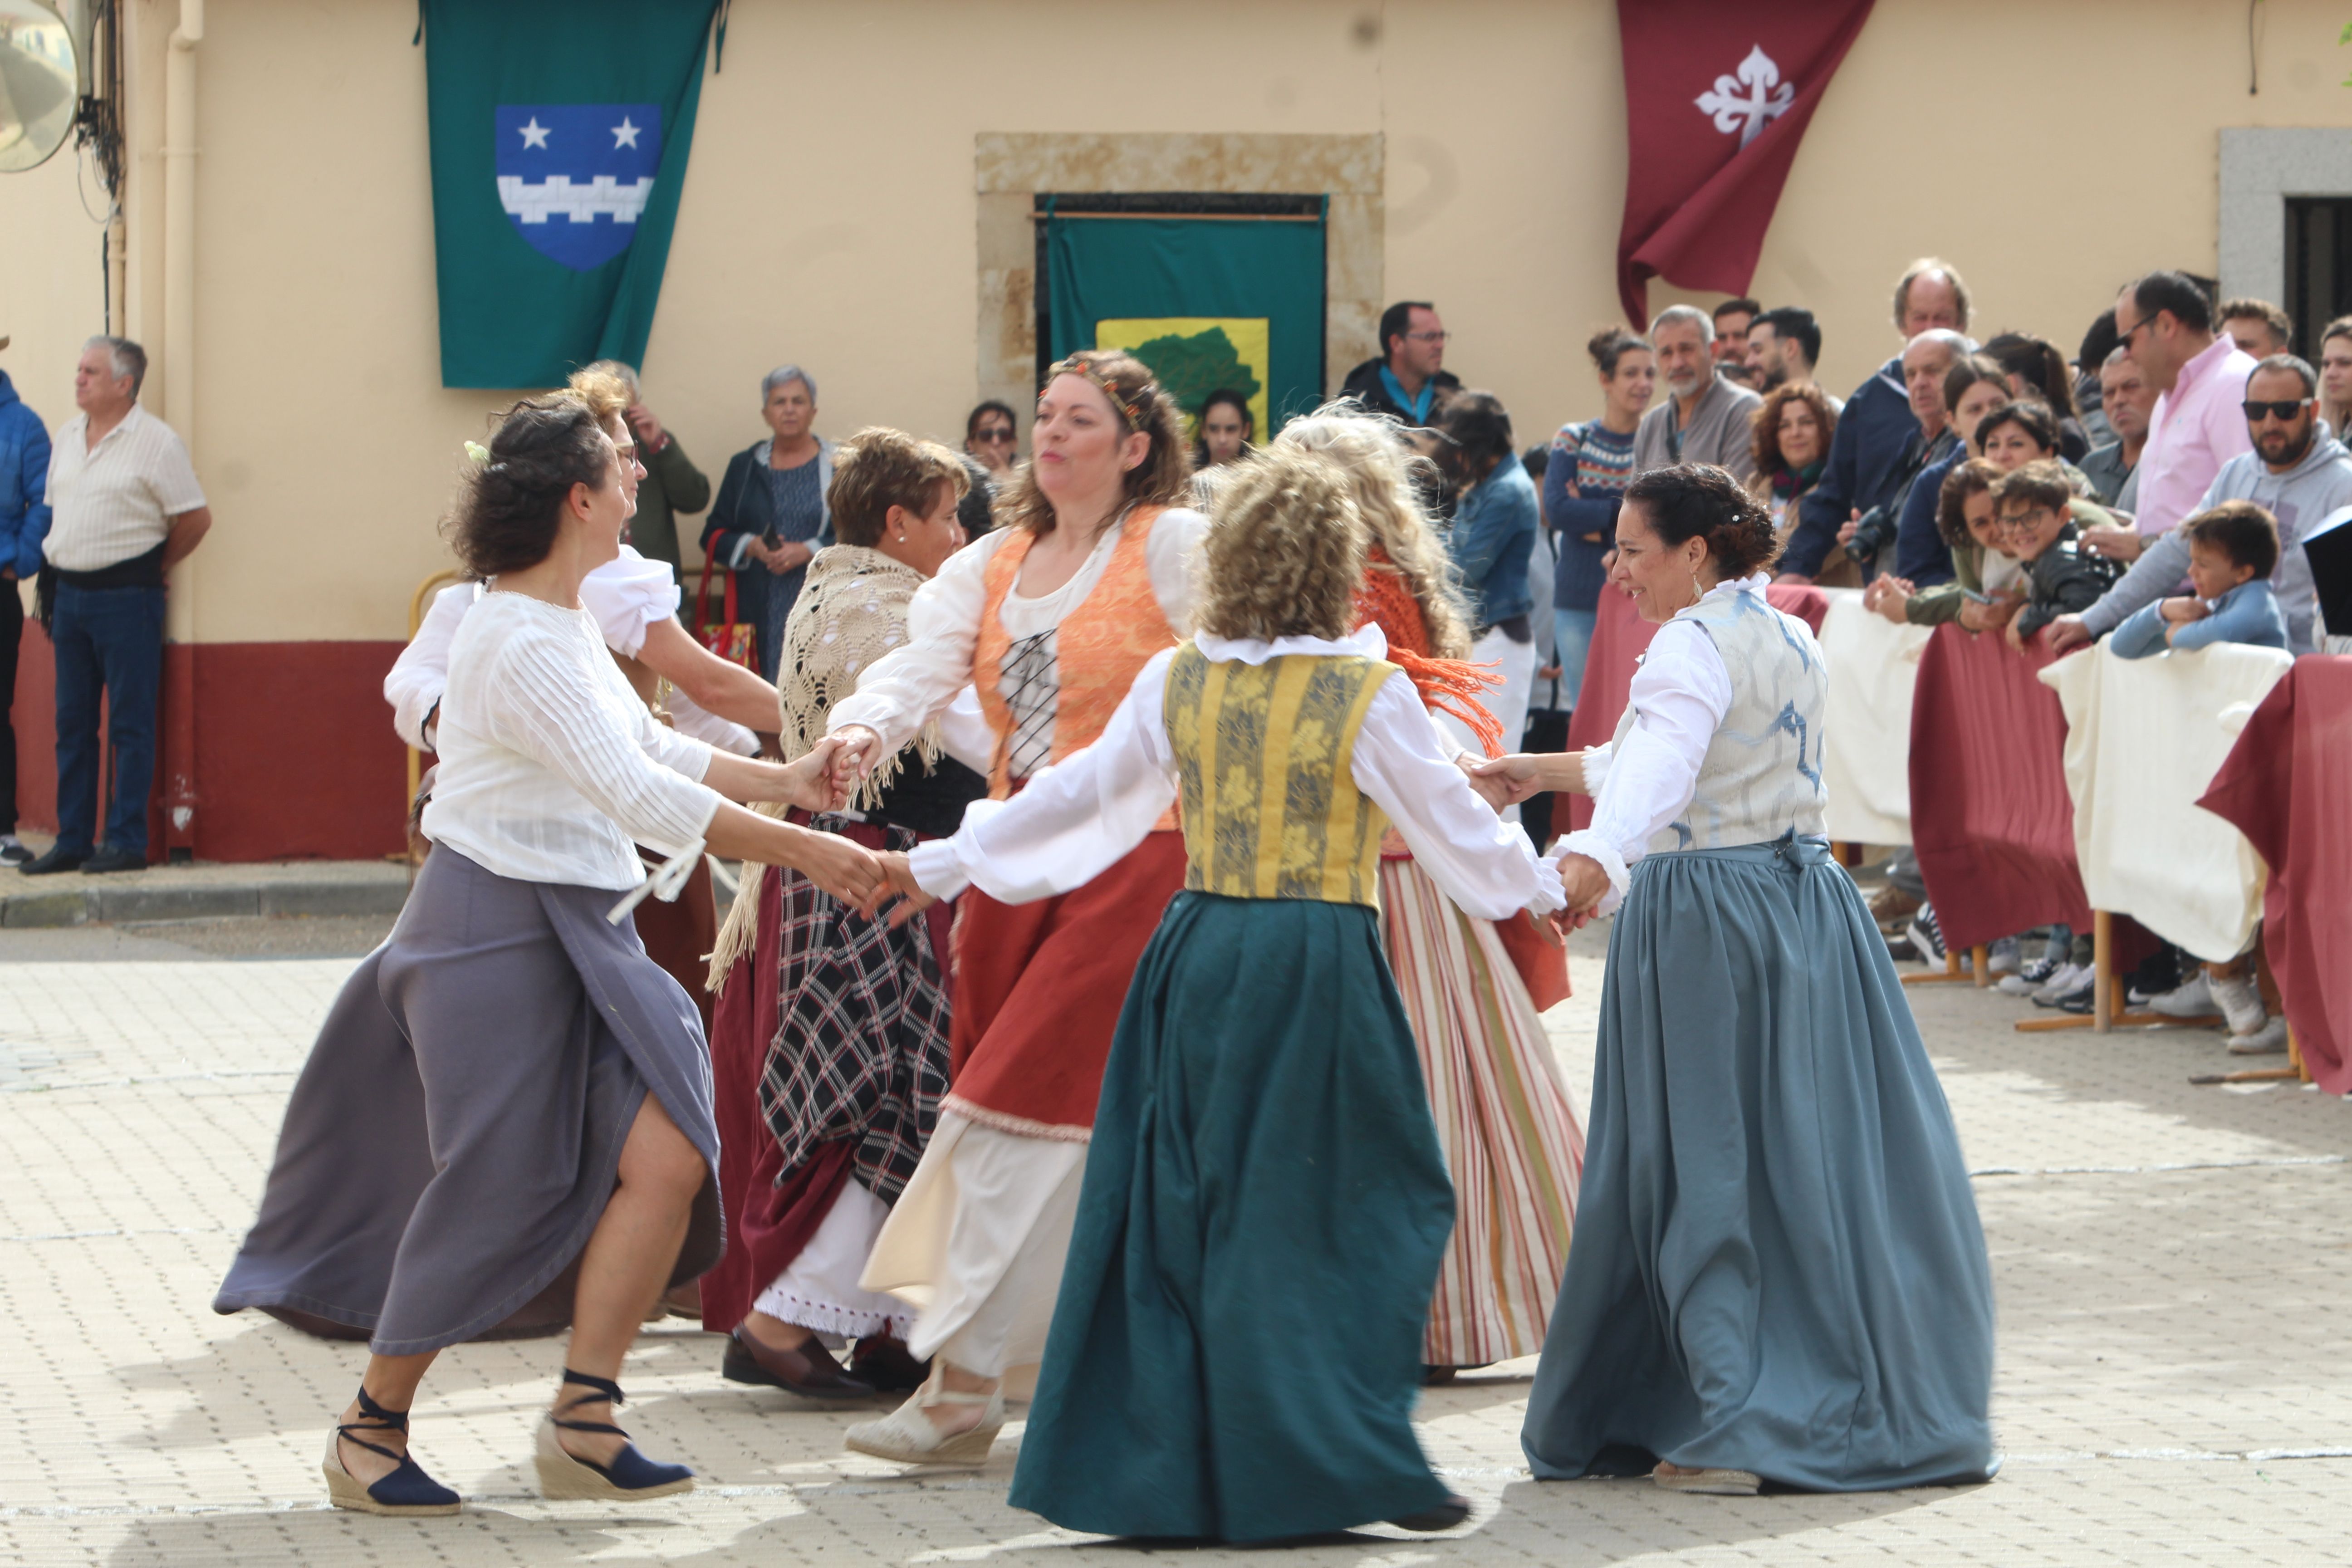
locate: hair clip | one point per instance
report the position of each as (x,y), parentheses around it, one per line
(478,452)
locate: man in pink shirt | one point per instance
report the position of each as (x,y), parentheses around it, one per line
(2166,323)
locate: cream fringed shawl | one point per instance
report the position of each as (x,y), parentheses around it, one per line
(851,611)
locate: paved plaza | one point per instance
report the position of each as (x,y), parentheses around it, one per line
(2169,1262)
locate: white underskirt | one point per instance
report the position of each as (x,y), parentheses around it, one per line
(976,1245)
(819,1289)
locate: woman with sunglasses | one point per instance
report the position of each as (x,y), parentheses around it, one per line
(1050,617)
(992,434)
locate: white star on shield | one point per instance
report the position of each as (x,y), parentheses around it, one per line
(533,135)
(624,134)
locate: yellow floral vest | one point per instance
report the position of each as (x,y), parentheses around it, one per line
(1270,807)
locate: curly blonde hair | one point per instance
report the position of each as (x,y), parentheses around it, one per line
(1380,470)
(1284,550)
(605,393)
(1164,477)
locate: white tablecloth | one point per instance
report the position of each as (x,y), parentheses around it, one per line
(2144,739)
(1866,755)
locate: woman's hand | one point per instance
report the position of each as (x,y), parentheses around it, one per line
(855,750)
(781,558)
(848,871)
(900,876)
(1584,881)
(2016,639)
(1508,781)
(1887,596)
(809,781)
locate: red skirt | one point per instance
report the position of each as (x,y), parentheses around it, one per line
(767,1223)
(1038,989)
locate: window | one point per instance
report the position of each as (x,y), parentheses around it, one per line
(2318,266)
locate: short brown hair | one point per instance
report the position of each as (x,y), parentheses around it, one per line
(1164,477)
(878,469)
(2039,483)
(1766,440)
(1972,478)
(2032,416)
(1695,500)
(2247,533)
(1285,548)
(2244,308)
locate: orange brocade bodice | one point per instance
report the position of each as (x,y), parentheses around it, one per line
(1098,649)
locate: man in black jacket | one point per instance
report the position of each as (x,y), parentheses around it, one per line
(1410,383)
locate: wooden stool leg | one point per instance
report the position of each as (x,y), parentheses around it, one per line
(2102,972)
(1980,959)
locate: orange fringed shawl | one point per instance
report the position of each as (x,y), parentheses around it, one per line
(1385,598)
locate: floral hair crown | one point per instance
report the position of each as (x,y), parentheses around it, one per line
(1131,409)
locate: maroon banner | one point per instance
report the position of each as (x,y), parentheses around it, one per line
(1990,818)
(2287,786)
(1619,637)
(1717,96)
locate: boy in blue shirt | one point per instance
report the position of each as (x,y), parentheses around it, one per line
(2232,549)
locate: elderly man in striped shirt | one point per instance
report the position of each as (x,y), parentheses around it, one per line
(125,508)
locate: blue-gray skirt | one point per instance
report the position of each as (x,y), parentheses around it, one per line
(1777,1265)
(455,1136)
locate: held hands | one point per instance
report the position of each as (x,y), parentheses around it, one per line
(900,879)
(1584,882)
(850,872)
(809,782)
(855,748)
(1507,781)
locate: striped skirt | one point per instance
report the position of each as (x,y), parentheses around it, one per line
(1505,1118)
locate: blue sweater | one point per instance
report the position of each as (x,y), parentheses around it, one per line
(1920,553)
(1583,485)
(2248,613)
(1493,533)
(24,483)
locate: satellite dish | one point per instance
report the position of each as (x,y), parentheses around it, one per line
(39,84)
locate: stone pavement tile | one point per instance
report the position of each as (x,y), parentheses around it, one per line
(2158,1339)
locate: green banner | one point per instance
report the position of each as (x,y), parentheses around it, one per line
(1207,302)
(559,132)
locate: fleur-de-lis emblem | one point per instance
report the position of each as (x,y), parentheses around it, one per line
(1766,96)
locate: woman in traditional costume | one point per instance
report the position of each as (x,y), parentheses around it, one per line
(1504,1114)
(830,1045)
(1778,1274)
(506,1121)
(1236,1349)
(1050,617)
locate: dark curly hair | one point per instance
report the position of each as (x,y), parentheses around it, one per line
(1699,500)
(1975,476)
(511,506)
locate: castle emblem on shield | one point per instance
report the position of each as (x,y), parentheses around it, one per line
(573,177)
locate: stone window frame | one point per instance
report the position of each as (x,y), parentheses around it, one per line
(2261,168)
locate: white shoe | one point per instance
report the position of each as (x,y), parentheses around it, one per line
(907,1435)
(2268,1040)
(2068,980)
(2002,957)
(2191,999)
(2241,1001)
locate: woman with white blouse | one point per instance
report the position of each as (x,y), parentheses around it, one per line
(505,1123)
(1051,617)
(1777,1272)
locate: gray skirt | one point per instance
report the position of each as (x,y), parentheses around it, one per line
(457,1132)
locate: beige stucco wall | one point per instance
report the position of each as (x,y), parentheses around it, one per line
(830,213)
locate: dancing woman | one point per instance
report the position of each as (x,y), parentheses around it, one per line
(1052,616)
(1504,1114)
(1236,1348)
(1777,1272)
(831,1044)
(509,1099)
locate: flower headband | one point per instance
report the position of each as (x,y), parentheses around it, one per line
(1132,411)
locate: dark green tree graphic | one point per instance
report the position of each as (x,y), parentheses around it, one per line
(1191,368)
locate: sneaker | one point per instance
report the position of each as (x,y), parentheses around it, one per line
(1926,934)
(13,851)
(2193,999)
(2030,976)
(2081,999)
(2241,1001)
(2159,973)
(2066,978)
(2002,956)
(1893,909)
(2268,1040)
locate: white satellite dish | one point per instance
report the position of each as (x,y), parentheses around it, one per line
(39,81)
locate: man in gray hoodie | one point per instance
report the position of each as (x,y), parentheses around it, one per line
(2297,471)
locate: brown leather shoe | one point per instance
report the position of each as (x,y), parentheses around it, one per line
(806,1370)
(883,1361)
(1893,909)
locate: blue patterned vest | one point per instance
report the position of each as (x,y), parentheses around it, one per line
(1763,775)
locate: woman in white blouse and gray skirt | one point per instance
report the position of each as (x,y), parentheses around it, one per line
(506,1122)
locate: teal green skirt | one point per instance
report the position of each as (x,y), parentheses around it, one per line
(1236,1349)
(1777,1265)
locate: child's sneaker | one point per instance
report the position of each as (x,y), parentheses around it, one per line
(2004,956)
(2265,1041)
(2064,980)
(2030,976)
(1926,934)
(2191,999)
(2241,1001)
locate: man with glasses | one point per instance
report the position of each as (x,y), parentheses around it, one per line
(1409,383)
(2165,323)
(2296,471)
